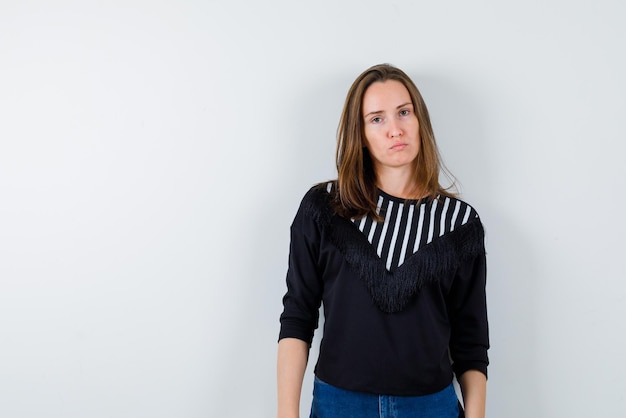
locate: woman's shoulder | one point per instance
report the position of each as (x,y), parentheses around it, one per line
(457,207)
(461,223)
(317,202)
(320,193)
(326,187)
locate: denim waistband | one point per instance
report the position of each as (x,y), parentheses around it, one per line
(333,402)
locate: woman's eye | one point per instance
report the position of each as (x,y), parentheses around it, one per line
(376,120)
(404,112)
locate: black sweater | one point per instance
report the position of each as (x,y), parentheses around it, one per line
(404,300)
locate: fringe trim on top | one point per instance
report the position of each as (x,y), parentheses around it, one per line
(393,290)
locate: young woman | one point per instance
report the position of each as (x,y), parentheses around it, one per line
(399,264)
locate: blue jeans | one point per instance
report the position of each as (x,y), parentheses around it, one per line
(332,402)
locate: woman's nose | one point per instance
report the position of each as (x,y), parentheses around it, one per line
(394,129)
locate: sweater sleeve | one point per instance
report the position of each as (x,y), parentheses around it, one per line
(302,300)
(469,340)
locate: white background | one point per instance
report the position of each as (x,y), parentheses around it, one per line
(153,155)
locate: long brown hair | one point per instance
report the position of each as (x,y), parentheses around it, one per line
(356,192)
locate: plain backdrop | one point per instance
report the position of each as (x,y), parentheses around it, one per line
(153,155)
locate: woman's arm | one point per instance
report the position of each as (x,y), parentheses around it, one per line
(292,359)
(474,389)
(469,339)
(301,303)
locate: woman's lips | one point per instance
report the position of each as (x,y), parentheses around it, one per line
(399,146)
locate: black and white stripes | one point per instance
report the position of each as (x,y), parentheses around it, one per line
(409,226)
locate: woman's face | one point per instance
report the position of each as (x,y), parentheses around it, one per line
(391,126)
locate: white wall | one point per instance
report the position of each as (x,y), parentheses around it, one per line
(153,154)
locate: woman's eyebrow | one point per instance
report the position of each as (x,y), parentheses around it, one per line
(380,111)
(376,112)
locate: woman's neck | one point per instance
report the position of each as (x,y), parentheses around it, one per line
(398,183)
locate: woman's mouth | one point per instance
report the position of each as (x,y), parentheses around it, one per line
(399,146)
